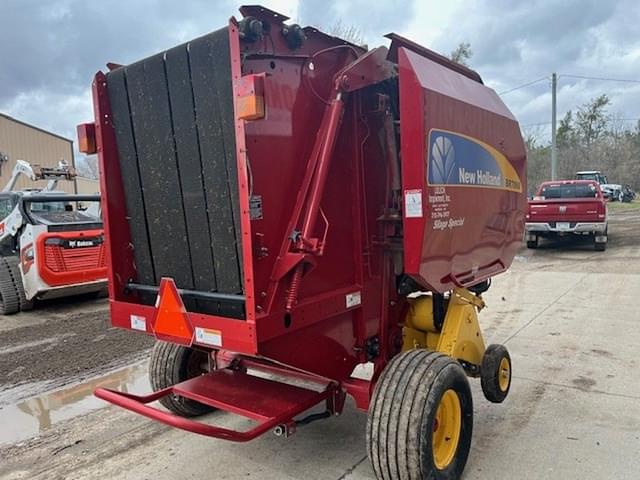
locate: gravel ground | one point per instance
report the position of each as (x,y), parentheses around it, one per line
(566,312)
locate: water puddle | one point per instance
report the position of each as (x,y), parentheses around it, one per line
(36,415)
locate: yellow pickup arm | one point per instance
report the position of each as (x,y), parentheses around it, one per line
(460,336)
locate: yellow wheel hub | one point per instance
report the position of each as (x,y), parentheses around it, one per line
(446,429)
(504,374)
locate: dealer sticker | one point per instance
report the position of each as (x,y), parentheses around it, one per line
(208,336)
(413,203)
(138,323)
(353,299)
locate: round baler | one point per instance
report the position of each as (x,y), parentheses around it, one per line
(283,207)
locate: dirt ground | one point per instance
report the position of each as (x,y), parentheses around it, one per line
(59,344)
(568,315)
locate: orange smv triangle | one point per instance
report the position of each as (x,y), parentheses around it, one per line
(172,322)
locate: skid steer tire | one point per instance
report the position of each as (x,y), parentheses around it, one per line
(420,418)
(171,364)
(16,273)
(9,300)
(495,373)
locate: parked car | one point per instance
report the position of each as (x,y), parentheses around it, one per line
(612,191)
(628,194)
(567,207)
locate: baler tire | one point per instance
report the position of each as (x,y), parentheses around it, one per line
(170,364)
(9,300)
(532,243)
(405,415)
(16,273)
(495,373)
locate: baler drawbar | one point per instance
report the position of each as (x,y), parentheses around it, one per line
(283,207)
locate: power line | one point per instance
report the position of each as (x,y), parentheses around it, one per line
(540,124)
(533,82)
(567,75)
(584,77)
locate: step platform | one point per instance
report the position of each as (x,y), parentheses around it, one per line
(270,403)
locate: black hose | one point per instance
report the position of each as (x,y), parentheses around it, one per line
(313,417)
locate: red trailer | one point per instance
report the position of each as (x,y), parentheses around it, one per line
(282,206)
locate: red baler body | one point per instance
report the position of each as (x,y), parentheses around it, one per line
(322,233)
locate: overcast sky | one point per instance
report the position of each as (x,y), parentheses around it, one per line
(50,49)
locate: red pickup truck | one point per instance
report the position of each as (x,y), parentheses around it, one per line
(567,207)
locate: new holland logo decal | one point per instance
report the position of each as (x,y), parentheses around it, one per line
(459,160)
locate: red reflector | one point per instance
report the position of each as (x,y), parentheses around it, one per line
(172,322)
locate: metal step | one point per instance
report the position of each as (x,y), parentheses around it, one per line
(270,403)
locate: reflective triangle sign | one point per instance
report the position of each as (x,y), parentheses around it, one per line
(172,322)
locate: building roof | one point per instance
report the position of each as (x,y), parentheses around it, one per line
(35,128)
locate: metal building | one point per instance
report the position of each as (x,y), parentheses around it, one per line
(21,141)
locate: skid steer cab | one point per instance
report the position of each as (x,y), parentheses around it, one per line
(283,207)
(51,243)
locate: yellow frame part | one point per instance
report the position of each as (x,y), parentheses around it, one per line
(460,336)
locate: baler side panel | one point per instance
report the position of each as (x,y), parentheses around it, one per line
(278,151)
(471,222)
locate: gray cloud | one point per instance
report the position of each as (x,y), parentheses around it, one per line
(515,42)
(49,51)
(373,18)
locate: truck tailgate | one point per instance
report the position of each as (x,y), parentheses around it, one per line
(565,209)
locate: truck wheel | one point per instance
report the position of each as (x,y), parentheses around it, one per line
(171,364)
(532,243)
(420,418)
(600,246)
(16,273)
(495,373)
(9,300)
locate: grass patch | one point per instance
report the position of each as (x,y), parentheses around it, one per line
(622,206)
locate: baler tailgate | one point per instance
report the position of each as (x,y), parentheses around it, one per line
(268,402)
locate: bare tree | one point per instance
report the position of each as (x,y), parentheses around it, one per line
(350,33)
(462,54)
(87,167)
(590,139)
(591,121)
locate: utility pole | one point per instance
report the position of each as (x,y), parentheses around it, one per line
(554,151)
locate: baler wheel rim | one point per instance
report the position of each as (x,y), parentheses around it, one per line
(403,415)
(504,375)
(495,373)
(446,429)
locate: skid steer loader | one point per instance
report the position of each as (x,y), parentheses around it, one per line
(50,244)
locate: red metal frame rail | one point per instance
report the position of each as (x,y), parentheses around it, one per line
(270,403)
